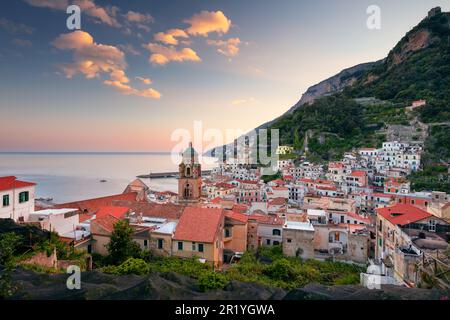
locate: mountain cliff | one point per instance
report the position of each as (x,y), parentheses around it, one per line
(337,114)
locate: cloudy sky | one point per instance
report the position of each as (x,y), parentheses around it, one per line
(138,70)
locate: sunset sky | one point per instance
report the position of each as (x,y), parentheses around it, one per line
(138,70)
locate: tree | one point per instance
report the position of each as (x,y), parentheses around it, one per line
(121,245)
(8,244)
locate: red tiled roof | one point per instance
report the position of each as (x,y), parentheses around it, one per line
(216,200)
(198,224)
(11,182)
(241,208)
(93,205)
(358,217)
(84,216)
(247,181)
(236,216)
(402,214)
(358,173)
(224,185)
(115,211)
(266,219)
(277,201)
(107,222)
(288,177)
(381,195)
(167,210)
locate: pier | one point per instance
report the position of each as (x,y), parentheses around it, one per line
(162,175)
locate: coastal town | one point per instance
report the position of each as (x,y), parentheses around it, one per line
(359,210)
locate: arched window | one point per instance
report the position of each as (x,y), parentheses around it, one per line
(188,171)
(187,191)
(276,232)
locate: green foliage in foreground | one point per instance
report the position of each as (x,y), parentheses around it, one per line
(268,267)
(291,272)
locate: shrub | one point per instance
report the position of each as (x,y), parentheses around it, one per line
(211,280)
(133,266)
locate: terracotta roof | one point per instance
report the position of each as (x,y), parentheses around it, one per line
(247,181)
(11,182)
(381,195)
(358,217)
(199,224)
(167,210)
(224,185)
(84,216)
(118,212)
(288,177)
(236,216)
(93,205)
(107,222)
(403,214)
(266,219)
(241,208)
(216,200)
(358,173)
(277,201)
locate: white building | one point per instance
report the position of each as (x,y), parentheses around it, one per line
(61,221)
(17,198)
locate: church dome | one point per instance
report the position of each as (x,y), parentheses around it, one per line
(190,155)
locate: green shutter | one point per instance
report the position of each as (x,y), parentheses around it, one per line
(6,200)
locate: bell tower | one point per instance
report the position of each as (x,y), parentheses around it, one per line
(190,177)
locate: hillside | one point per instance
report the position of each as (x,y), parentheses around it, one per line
(172,286)
(418,67)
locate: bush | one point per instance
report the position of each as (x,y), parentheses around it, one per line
(211,280)
(133,266)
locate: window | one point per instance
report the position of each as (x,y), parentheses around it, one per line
(289,240)
(200,247)
(227,233)
(268,242)
(193,246)
(276,243)
(342,219)
(180,246)
(24,196)
(160,243)
(145,243)
(432,225)
(6,200)
(276,232)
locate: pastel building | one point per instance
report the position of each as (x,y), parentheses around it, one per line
(17,198)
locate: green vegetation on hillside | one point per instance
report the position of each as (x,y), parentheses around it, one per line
(337,123)
(268,266)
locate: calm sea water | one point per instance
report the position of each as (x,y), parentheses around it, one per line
(75,176)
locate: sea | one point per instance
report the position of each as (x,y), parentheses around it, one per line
(66,177)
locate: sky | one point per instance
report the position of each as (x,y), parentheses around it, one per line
(138,72)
